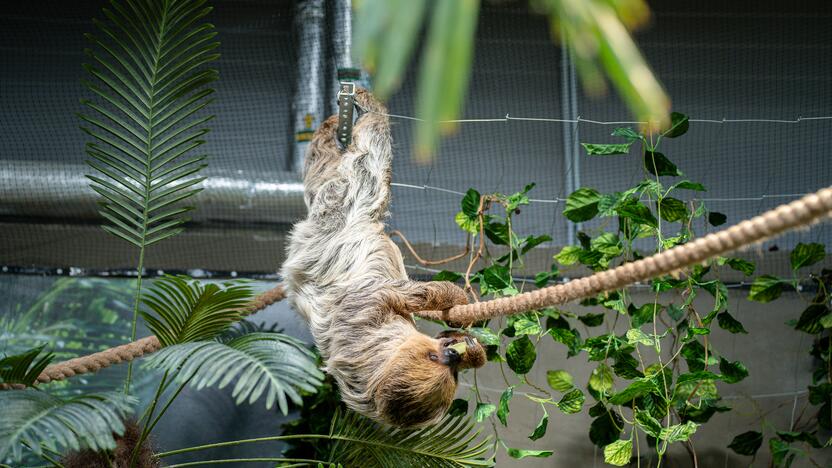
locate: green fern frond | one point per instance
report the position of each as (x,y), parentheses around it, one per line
(187,311)
(38,420)
(258,363)
(148,77)
(453,442)
(24,368)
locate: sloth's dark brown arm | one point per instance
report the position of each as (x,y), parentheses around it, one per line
(407,297)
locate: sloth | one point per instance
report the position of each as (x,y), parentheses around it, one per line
(346,277)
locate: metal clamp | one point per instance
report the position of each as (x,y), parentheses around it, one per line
(346,107)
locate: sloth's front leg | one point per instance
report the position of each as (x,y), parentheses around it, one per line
(406,297)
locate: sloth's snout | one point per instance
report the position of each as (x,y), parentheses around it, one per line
(451,356)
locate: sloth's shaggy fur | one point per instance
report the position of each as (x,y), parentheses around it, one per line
(347,279)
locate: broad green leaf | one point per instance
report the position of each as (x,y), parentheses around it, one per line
(729,323)
(781,452)
(446,275)
(619,452)
(483,411)
(592,320)
(471,203)
(688,185)
(522,453)
(467,224)
(497,279)
(485,336)
(459,407)
(517,199)
(805,255)
(572,402)
(766,288)
(559,380)
(648,423)
(582,205)
(636,336)
(743,266)
(732,372)
(636,389)
(520,355)
(40,421)
(524,326)
(601,379)
(747,443)
(678,432)
(608,244)
(657,164)
(593,149)
(606,427)
(637,212)
(671,209)
(716,218)
(627,133)
(626,366)
(569,255)
(641,315)
(678,125)
(810,319)
(503,409)
(540,430)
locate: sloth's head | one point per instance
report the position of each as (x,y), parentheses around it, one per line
(418,382)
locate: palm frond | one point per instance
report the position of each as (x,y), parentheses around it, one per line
(453,442)
(187,311)
(148,76)
(24,368)
(260,363)
(37,419)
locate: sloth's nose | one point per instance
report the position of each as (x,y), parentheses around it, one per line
(452,357)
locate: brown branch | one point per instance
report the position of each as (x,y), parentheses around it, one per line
(441,261)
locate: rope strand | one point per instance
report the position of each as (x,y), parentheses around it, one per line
(803,212)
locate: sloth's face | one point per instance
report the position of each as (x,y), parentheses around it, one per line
(419,380)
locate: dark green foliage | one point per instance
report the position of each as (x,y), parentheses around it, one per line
(25,367)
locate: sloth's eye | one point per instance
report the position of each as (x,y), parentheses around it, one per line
(433,356)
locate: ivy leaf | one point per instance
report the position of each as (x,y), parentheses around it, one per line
(688,185)
(793,436)
(636,389)
(595,149)
(483,411)
(657,164)
(619,452)
(601,379)
(641,315)
(766,288)
(732,372)
(678,432)
(648,423)
(502,409)
(637,212)
(485,336)
(729,323)
(671,209)
(626,132)
(780,452)
(520,355)
(810,319)
(540,430)
(497,233)
(467,224)
(747,443)
(636,336)
(716,218)
(471,203)
(521,453)
(559,380)
(608,244)
(582,205)
(497,279)
(592,320)
(738,264)
(569,255)
(524,326)
(446,275)
(805,255)
(459,407)
(605,428)
(678,125)
(514,200)
(626,367)
(572,402)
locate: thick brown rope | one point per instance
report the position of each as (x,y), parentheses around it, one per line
(127,352)
(803,212)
